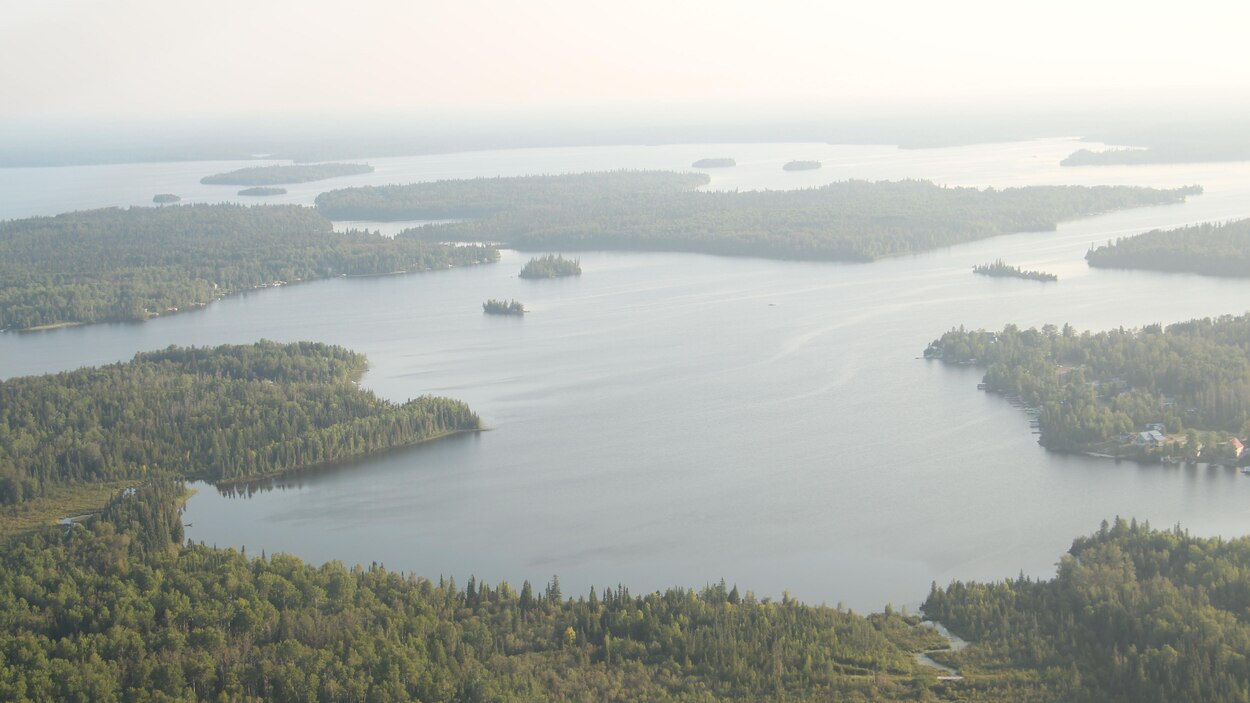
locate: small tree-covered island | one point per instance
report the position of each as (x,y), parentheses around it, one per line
(130,265)
(1211,249)
(503,307)
(801,166)
(551,266)
(166,198)
(716,162)
(262,191)
(284,173)
(665,211)
(1175,393)
(999,269)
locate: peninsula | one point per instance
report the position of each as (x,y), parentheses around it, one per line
(133,264)
(1210,249)
(1180,392)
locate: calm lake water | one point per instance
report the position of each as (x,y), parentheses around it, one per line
(671,419)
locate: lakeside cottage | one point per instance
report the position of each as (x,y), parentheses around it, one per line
(1150,438)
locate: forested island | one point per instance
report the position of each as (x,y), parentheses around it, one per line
(1168,154)
(663,211)
(165,198)
(1110,157)
(714,163)
(263,190)
(551,266)
(1180,392)
(557,196)
(801,166)
(503,307)
(120,265)
(228,413)
(999,269)
(285,173)
(1213,249)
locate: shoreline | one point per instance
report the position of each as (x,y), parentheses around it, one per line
(254,481)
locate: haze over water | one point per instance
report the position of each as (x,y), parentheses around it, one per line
(670,419)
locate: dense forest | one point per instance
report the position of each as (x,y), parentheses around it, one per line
(1213,249)
(119,610)
(1135,615)
(715,162)
(262,191)
(224,414)
(661,211)
(801,166)
(503,307)
(1097,390)
(115,265)
(999,269)
(551,266)
(283,174)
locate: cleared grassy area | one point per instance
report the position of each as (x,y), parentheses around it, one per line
(68,501)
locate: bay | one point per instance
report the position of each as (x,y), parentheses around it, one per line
(670,419)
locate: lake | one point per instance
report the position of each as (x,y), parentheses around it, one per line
(676,419)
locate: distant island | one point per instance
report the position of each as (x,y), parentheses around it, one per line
(114,265)
(665,211)
(1211,249)
(499,307)
(165,198)
(1109,157)
(551,266)
(801,166)
(1164,154)
(1156,393)
(998,269)
(263,190)
(714,163)
(282,174)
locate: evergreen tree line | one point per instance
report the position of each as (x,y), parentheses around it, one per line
(224,414)
(1134,615)
(662,211)
(551,266)
(1092,387)
(116,265)
(1213,249)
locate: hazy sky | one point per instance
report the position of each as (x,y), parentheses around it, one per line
(125,58)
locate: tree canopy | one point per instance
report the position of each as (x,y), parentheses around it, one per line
(1212,248)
